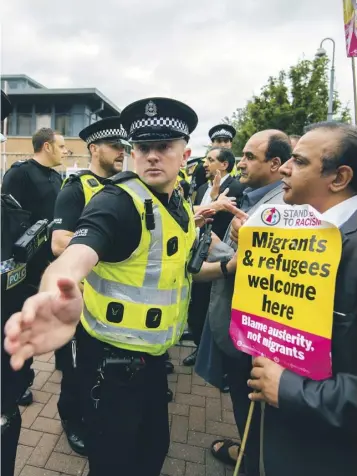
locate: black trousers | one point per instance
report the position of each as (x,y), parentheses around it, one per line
(9,440)
(69,403)
(238,373)
(128,433)
(198,309)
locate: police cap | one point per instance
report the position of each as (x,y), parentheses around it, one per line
(222,131)
(158,119)
(108,130)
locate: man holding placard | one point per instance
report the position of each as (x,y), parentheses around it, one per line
(309,426)
(313,429)
(311,414)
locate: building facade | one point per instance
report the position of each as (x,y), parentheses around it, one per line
(64,110)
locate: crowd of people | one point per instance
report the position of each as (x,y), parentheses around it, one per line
(109,289)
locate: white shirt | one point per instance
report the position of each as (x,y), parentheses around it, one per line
(342,212)
(206,200)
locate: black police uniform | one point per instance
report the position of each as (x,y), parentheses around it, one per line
(199,175)
(14,223)
(147,393)
(68,209)
(70,203)
(35,187)
(127,416)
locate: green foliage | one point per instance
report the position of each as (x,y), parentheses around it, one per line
(288,102)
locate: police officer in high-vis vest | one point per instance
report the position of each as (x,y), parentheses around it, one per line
(106,142)
(131,246)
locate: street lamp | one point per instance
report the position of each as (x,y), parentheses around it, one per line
(320,53)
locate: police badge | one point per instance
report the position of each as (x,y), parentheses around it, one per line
(150,109)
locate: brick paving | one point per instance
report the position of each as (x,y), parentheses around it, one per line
(198,415)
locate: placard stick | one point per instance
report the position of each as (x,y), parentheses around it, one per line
(244,439)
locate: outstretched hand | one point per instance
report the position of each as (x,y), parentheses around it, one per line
(46,322)
(223,202)
(204,216)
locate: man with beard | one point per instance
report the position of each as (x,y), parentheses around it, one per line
(106,142)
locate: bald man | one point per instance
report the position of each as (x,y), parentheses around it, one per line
(263,155)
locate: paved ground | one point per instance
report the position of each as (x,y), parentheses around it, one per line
(198,415)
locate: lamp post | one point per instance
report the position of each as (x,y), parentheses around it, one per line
(320,53)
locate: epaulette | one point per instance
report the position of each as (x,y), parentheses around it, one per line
(121,177)
(19,163)
(77,175)
(80,173)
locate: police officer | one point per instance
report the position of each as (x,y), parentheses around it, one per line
(35,185)
(14,223)
(222,135)
(106,142)
(132,245)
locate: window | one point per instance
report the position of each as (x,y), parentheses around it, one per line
(62,124)
(24,127)
(43,120)
(43,116)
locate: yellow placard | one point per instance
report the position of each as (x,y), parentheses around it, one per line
(285,283)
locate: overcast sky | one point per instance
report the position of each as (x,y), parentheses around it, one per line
(213,55)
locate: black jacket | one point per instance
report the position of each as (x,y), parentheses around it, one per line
(314,431)
(222,219)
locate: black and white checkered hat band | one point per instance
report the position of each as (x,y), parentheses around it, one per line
(169,122)
(222,133)
(107,134)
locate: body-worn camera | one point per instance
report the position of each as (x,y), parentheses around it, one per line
(200,253)
(31,241)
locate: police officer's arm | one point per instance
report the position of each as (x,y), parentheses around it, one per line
(68,209)
(212,271)
(48,319)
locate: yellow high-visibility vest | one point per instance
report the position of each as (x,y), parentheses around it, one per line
(183,174)
(90,184)
(141,304)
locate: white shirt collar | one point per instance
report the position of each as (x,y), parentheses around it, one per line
(342,212)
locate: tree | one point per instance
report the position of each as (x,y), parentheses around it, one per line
(288,102)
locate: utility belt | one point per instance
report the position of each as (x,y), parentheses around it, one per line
(121,367)
(111,363)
